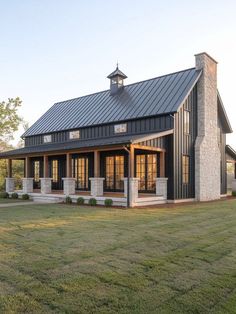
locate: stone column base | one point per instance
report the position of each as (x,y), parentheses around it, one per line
(125,186)
(161,187)
(27,185)
(234,185)
(46,185)
(96,186)
(10,185)
(69,186)
(133,191)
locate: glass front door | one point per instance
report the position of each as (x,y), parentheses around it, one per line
(80,171)
(146,171)
(114,173)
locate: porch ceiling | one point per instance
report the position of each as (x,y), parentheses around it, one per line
(82,144)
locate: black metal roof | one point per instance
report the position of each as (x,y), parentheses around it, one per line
(71,145)
(223,115)
(230,152)
(117,72)
(160,95)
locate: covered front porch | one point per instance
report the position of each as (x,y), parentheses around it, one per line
(131,174)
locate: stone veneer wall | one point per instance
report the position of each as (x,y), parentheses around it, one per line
(207,152)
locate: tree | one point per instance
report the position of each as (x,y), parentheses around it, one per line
(9,123)
(9,118)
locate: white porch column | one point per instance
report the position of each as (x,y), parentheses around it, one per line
(28,185)
(46,185)
(133,190)
(234,185)
(96,186)
(161,187)
(10,185)
(68,186)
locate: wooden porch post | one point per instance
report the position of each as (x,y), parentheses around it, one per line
(162,164)
(9,168)
(45,166)
(96,164)
(68,165)
(27,167)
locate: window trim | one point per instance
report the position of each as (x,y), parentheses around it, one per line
(121,126)
(47,136)
(74,138)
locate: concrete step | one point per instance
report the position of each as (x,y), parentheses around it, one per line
(46,199)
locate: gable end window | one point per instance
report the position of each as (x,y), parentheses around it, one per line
(186,121)
(47,138)
(185,169)
(74,135)
(120,128)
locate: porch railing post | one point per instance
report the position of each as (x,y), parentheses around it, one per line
(46,182)
(161,187)
(96,186)
(68,182)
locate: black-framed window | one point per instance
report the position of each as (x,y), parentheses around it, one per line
(185,169)
(36,170)
(55,170)
(147,169)
(114,172)
(186,121)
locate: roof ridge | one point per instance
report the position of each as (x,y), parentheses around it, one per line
(106,90)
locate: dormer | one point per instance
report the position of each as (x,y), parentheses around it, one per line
(116,80)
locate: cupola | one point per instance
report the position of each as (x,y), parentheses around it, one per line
(116,80)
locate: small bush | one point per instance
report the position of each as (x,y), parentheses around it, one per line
(80,200)
(68,200)
(108,202)
(25,197)
(233,193)
(92,201)
(4,195)
(14,195)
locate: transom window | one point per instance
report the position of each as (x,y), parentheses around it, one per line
(186,121)
(47,138)
(74,135)
(185,169)
(120,128)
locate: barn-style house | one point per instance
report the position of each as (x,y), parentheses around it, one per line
(150,142)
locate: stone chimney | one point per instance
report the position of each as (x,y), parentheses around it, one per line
(207,152)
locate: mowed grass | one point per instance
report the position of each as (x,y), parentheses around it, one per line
(71,259)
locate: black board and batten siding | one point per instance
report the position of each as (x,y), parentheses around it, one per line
(184,145)
(139,126)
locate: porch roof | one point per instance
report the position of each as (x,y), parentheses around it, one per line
(80,144)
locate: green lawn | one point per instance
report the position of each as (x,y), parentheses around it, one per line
(11,200)
(69,259)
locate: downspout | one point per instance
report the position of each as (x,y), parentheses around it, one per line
(128,178)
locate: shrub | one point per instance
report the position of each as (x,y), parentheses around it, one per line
(25,197)
(234,193)
(92,201)
(108,202)
(4,195)
(14,195)
(80,200)
(68,200)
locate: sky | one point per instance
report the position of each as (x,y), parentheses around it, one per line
(61,49)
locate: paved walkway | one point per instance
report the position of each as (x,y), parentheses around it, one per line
(15,204)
